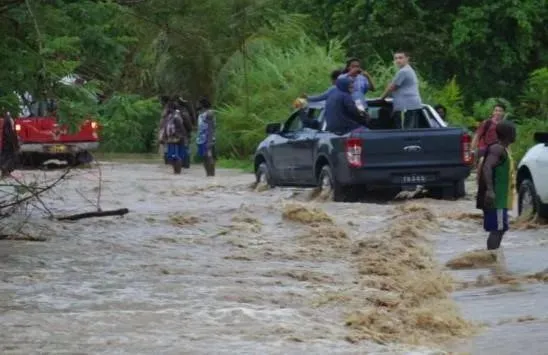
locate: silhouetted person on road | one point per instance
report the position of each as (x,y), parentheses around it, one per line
(10,146)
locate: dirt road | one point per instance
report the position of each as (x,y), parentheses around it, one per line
(211,266)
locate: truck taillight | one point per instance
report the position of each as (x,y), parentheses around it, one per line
(353,150)
(17,127)
(93,125)
(466,149)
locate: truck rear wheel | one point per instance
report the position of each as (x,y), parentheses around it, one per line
(456,191)
(460,189)
(328,184)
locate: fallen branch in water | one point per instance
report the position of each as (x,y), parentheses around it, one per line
(75,217)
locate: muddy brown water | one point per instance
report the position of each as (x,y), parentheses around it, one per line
(209,266)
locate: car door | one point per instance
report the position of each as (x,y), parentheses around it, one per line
(542,167)
(282,155)
(303,146)
(277,159)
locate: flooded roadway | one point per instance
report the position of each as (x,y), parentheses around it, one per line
(209,266)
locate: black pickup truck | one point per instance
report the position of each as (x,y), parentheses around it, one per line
(301,153)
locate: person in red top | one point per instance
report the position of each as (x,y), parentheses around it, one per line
(486,133)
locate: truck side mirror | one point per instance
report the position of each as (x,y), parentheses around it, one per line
(273,128)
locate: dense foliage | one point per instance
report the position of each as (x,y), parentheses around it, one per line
(254,56)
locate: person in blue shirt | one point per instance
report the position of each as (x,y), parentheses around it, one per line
(362,81)
(341,113)
(205,139)
(323,96)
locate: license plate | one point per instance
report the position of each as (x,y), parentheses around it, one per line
(57,148)
(413,179)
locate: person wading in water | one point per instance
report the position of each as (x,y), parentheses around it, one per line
(496,184)
(486,132)
(205,139)
(162,148)
(10,146)
(185,110)
(174,136)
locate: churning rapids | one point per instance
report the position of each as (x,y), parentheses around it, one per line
(216,266)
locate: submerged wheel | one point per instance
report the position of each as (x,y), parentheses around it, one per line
(456,191)
(460,189)
(528,201)
(327,184)
(262,175)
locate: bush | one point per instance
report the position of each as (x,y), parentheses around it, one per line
(535,96)
(129,124)
(532,112)
(525,132)
(450,96)
(275,77)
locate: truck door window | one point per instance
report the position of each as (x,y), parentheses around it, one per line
(293,124)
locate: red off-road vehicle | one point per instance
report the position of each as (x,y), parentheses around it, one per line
(42,138)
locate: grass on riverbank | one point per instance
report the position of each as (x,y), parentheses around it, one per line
(224,163)
(243,165)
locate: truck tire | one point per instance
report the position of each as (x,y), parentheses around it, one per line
(327,180)
(262,175)
(460,189)
(528,199)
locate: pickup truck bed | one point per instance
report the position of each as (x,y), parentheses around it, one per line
(435,156)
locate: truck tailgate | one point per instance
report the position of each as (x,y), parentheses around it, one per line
(411,148)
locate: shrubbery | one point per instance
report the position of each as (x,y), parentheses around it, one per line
(129,124)
(261,91)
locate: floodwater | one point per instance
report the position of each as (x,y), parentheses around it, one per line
(209,266)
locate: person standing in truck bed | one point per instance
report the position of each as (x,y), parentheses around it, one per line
(404,88)
(362,82)
(341,113)
(323,96)
(496,184)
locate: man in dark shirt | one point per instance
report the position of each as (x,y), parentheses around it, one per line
(341,113)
